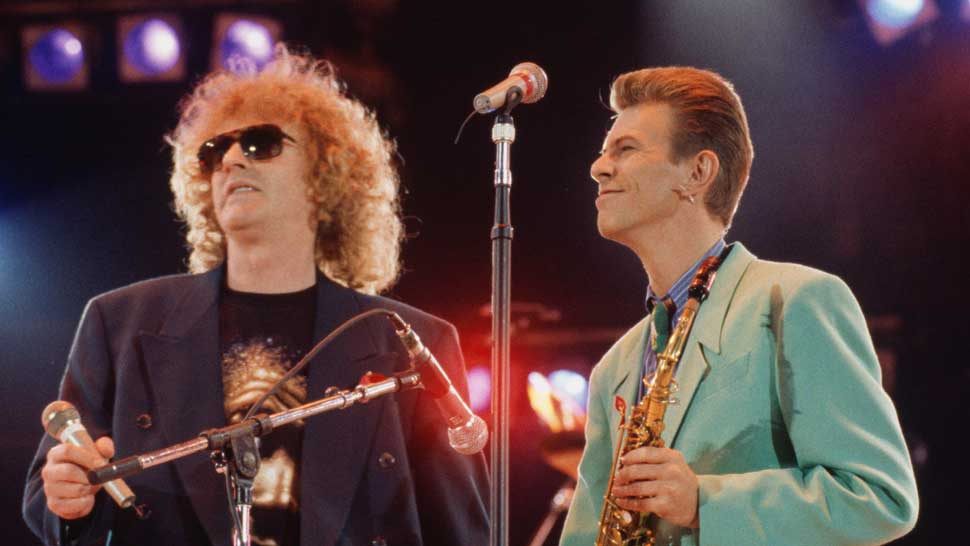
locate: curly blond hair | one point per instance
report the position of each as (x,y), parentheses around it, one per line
(351,175)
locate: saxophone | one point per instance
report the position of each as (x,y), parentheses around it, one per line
(620,527)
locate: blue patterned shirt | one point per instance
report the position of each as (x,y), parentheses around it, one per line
(678,294)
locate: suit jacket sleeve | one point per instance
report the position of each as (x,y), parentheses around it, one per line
(582,520)
(854,482)
(88,384)
(451,489)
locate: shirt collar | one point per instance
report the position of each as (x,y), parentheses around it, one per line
(678,291)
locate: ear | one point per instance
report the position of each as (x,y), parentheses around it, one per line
(704,168)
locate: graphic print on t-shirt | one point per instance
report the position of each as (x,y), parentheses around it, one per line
(249,370)
(261,337)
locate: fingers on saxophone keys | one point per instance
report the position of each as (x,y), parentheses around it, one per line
(638,472)
(644,505)
(636,489)
(649,454)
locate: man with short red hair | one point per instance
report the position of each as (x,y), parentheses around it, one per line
(783,433)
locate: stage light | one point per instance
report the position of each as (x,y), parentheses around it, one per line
(890,20)
(570,385)
(541,399)
(479,388)
(559,400)
(895,13)
(244,37)
(149,48)
(54,57)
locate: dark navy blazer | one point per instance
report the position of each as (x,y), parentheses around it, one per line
(145,369)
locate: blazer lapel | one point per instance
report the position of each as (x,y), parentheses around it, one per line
(336,444)
(185,376)
(705,332)
(628,366)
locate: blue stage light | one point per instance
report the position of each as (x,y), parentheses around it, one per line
(895,13)
(890,20)
(152,47)
(57,57)
(248,39)
(571,385)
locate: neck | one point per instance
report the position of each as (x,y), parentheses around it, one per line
(269,267)
(669,251)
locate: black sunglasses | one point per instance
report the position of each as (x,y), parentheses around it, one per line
(257,142)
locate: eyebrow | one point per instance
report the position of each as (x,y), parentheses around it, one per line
(617,141)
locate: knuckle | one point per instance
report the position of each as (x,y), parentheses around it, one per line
(56,453)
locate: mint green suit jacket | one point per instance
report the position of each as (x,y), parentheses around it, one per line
(781,415)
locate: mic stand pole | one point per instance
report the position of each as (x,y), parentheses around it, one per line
(503,135)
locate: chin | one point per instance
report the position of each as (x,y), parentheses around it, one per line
(236,223)
(608,231)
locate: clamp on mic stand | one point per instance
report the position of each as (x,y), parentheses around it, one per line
(503,135)
(239,460)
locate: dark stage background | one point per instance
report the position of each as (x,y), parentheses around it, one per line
(861,169)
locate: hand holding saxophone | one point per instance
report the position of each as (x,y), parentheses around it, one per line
(658,480)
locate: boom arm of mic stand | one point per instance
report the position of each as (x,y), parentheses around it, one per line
(257,426)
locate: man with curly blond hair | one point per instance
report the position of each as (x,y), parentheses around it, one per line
(289,197)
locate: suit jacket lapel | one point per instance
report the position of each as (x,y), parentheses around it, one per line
(628,366)
(185,374)
(706,332)
(336,444)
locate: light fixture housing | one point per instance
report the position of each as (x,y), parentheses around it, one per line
(55,57)
(243,41)
(150,48)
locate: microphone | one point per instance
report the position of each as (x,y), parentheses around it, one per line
(530,80)
(467,432)
(62,421)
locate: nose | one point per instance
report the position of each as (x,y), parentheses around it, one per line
(602,169)
(234,157)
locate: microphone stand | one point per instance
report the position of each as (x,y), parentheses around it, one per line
(234,449)
(503,135)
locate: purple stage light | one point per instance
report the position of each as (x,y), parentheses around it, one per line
(152,47)
(57,56)
(247,39)
(479,388)
(895,13)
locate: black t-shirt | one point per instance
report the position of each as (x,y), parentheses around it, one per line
(261,337)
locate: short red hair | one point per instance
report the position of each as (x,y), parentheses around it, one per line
(708,116)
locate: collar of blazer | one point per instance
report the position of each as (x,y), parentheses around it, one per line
(706,331)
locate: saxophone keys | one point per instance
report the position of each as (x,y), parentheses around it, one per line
(674,386)
(625,518)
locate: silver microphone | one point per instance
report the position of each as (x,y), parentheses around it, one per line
(62,421)
(529,78)
(467,432)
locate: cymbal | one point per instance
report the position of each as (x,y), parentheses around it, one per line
(563,450)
